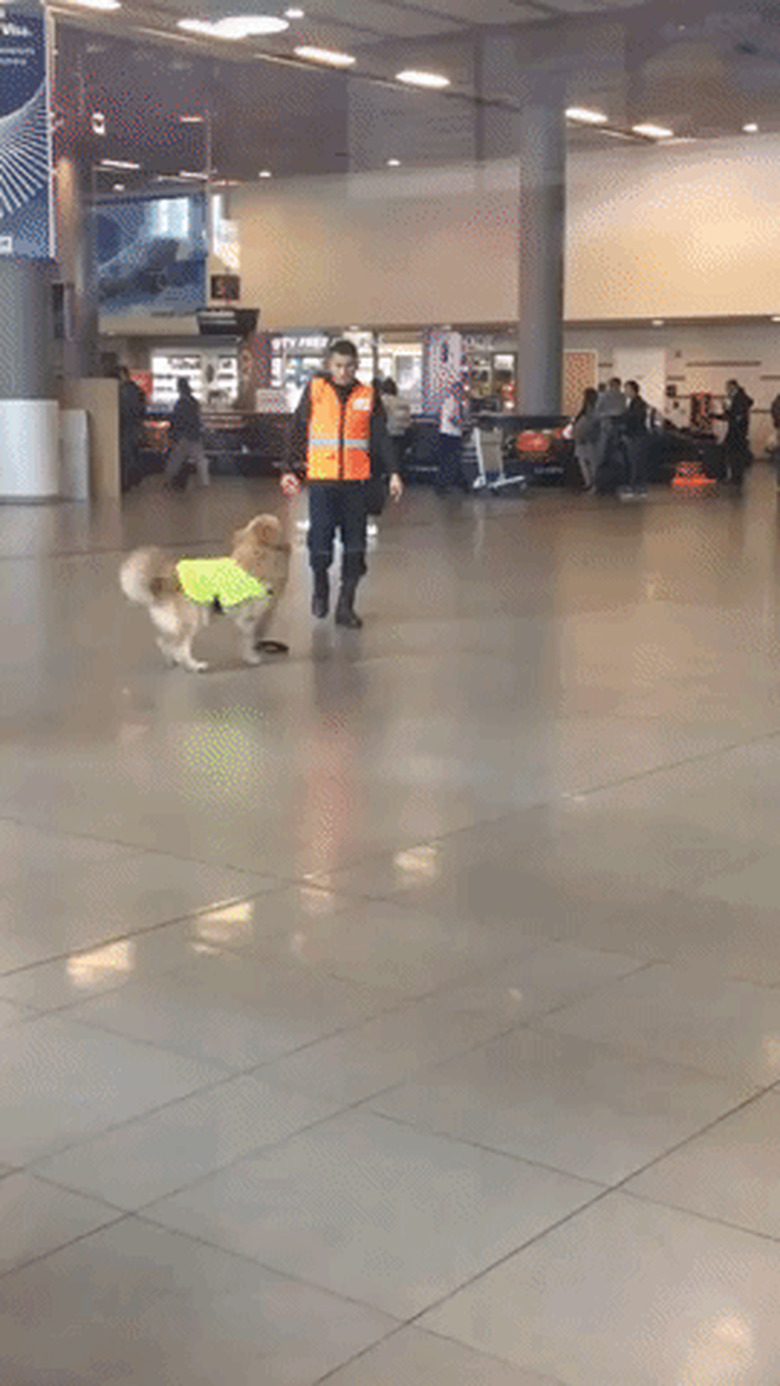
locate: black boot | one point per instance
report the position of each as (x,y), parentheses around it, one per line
(320,602)
(345,610)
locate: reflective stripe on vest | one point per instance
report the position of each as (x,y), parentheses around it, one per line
(332,457)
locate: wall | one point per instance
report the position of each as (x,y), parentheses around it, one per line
(688,230)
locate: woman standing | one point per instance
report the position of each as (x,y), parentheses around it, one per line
(585,434)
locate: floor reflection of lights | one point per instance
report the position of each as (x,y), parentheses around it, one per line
(418,864)
(87,970)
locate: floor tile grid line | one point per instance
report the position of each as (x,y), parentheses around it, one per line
(147,929)
(699,757)
(384,1011)
(30,1166)
(358,1356)
(146,1221)
(693,1212)
(257,1071)
(620,1185)
(480,1145)
(133,850)
(72,1241)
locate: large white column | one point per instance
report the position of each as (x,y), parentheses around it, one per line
(541,252)
(29,418)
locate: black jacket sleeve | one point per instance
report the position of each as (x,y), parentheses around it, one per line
(385,457)
(298,440)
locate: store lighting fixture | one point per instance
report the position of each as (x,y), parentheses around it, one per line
(751,128)
(265,173)
(776,318)
(192,119)
(330,57)
(187,173)
(659,322)
(119,187)
(583,116)
(435,81)
(294,13)
(98,123)
(394,163)
(653,132)
(119,163)
(236,27)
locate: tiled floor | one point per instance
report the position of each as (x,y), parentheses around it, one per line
(405,1012)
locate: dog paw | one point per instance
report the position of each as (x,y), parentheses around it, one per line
(196,666)
(253,657)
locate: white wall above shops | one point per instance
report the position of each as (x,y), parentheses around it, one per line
(684,231)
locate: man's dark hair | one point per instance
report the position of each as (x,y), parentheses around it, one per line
(343,347)
(615,383)
(183,385)
(389,387)
(632,385)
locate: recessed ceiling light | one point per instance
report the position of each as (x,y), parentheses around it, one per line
(192,119)
(653,132)
(394,163)
(118,163)
(329,56)
(185,173)
(751,128)
(236,27)
(119,187)
(659,322)
(96,4)
(265,173)
(585,116)
(776,318)
(434,80)
(294,13)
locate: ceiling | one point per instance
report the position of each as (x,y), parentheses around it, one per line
(702,67)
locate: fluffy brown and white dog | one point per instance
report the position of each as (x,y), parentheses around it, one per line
(183,594)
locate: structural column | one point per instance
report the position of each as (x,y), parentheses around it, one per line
(541,251)
(29,414)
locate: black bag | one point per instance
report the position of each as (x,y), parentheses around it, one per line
(376,495)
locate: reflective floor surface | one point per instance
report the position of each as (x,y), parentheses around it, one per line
(405,1011)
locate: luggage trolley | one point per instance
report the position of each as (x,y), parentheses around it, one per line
(491,472)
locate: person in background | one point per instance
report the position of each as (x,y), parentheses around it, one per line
(774,410)
(338,442)
(585,432)
(736,413)
(451,424)
(132,411)
(186,437)
(610,410)
(637,441)
(399,418)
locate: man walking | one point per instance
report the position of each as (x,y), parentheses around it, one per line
(736,413)
(186,437)
(637,443)
(338,442)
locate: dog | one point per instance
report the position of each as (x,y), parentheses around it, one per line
(183,594)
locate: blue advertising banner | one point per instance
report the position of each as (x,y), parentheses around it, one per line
(26,190)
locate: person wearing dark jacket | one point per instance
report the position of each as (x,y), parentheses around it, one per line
(338,443)
(637,443)
(132,411)
(186,437)
(736,413)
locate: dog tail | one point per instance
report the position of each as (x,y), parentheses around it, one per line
(148,576)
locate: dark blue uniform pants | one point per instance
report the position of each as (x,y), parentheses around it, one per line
(338,507)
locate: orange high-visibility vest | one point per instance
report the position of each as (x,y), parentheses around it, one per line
(339,440)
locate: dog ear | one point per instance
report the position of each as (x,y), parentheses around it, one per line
(266,529)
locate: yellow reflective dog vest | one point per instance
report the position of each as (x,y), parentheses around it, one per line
(218,581)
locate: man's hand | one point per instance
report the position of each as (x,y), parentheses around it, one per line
(290,485)
(396,487)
